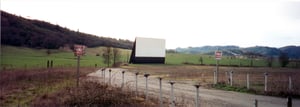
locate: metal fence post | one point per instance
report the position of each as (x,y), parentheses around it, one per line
(290,83)
(255,103)
(266,81)
(136,83)
(248,81)
(101,72)
(197,95)
(109,80)
(289,101)
(215,80)
(146,76)
(227,78)
(78,66)
(123,72)
(160,92)
(172,94)
(217,72)
(104,75)
(231,78)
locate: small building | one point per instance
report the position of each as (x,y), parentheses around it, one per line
(148,50)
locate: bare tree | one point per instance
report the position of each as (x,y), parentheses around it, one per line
(107,54)
(201,60)
(116,55)
(283,59)
(270,61)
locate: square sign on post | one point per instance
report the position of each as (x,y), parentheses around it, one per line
(79,50)
(218,55)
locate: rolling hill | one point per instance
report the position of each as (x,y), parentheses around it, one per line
(19,31)
(292,51)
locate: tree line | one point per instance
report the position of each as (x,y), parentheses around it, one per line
(18,31)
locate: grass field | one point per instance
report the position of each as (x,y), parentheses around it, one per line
(21,57)
(177,58)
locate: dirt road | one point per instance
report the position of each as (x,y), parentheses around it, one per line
(185,93)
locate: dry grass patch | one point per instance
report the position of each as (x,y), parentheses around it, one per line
(19,87)
(93,94)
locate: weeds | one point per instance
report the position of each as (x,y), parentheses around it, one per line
(223,86)
(20,87)
(93,94)
(56,88)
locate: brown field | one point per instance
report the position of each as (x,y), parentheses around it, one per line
(277,78)
(19,87)
(56,87)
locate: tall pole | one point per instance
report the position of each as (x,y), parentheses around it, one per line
(248,82)
(197,95)
(215,79)
(109,80)
(104,75)
(231,78)
(290,83)
(217,72)
(78,64)
(218,55)
(136,83)
(123,72)
(266,81)
(255,103)
(160,92)
(146,76)
(227,78)
(172,94)
(289,101)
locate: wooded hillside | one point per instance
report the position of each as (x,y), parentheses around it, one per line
(18,31)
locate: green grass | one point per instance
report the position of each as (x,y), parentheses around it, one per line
(21,57)
(178,58)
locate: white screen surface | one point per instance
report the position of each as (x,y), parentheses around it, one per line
(149,47)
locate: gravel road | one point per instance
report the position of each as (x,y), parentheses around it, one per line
(185,93)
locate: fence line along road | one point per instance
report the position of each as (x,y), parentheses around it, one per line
(208,97)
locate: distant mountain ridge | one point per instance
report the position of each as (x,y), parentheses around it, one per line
(19,31)
(292,51)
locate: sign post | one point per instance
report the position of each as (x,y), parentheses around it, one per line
(78,64)
(218,56)
(78,51)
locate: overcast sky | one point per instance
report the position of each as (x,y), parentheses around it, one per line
(182,23)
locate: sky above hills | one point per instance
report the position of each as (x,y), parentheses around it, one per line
(182,23)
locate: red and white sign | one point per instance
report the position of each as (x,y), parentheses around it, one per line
(79,50)
(218,55)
